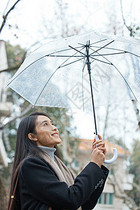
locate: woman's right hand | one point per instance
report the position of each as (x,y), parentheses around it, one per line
(98,151)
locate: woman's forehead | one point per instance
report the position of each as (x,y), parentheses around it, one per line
(42,118)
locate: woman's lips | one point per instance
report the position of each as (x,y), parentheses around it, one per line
(55,134)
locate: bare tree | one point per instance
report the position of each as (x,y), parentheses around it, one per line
(6,15)
(131,28)
(22,114)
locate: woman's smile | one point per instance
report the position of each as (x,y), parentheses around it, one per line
(55,134)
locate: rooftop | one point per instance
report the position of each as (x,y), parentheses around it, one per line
(86,144)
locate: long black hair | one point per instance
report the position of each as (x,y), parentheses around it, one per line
(24,148)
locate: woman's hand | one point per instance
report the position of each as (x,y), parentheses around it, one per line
(98,151)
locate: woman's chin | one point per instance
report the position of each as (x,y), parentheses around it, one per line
(58,141)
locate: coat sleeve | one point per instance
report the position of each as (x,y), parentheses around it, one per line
(92,201)
(43,184)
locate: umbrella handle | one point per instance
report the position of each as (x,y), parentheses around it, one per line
(114,156)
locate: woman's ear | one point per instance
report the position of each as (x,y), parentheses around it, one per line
(32,137)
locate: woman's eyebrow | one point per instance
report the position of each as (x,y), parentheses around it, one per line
(46,121)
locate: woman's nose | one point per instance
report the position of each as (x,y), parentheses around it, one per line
(54,128)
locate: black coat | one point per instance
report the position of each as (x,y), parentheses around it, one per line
(39,187)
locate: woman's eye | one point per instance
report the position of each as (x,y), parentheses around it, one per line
(45,123)
(53,124)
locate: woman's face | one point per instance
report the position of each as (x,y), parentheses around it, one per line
(46,133)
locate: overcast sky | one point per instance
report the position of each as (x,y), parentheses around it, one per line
(99,15)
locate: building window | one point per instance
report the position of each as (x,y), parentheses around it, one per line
(106,198)
(111,172)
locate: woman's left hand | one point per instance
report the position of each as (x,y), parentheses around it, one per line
(99,144)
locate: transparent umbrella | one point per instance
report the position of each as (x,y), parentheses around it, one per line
(81,72)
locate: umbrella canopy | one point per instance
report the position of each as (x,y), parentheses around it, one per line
(56,74)
(81,72)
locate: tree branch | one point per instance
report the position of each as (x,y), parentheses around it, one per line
(137,112)
(10,69)
(5,16)
(131,27)
(123,16)
(28,108)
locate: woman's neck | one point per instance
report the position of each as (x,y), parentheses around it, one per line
(49,150)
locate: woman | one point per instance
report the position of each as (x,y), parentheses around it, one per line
(41,181)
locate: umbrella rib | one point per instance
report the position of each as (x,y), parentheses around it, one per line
(109,48)
(78,50)
(100,60)
(94,42)
(53,54)
(121,75)
(125,80)
(71,62)
(102,47)
(133,54)
(37,61)
(102,55)
(82,83)
(64,50)
(48,82)
(110,53)
(25,69)
(65,56)
(45,86)
(125,51)
(69,59)
(52,76)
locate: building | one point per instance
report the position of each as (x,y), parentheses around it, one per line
(119,180)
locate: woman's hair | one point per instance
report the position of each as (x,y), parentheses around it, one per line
(24,147)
